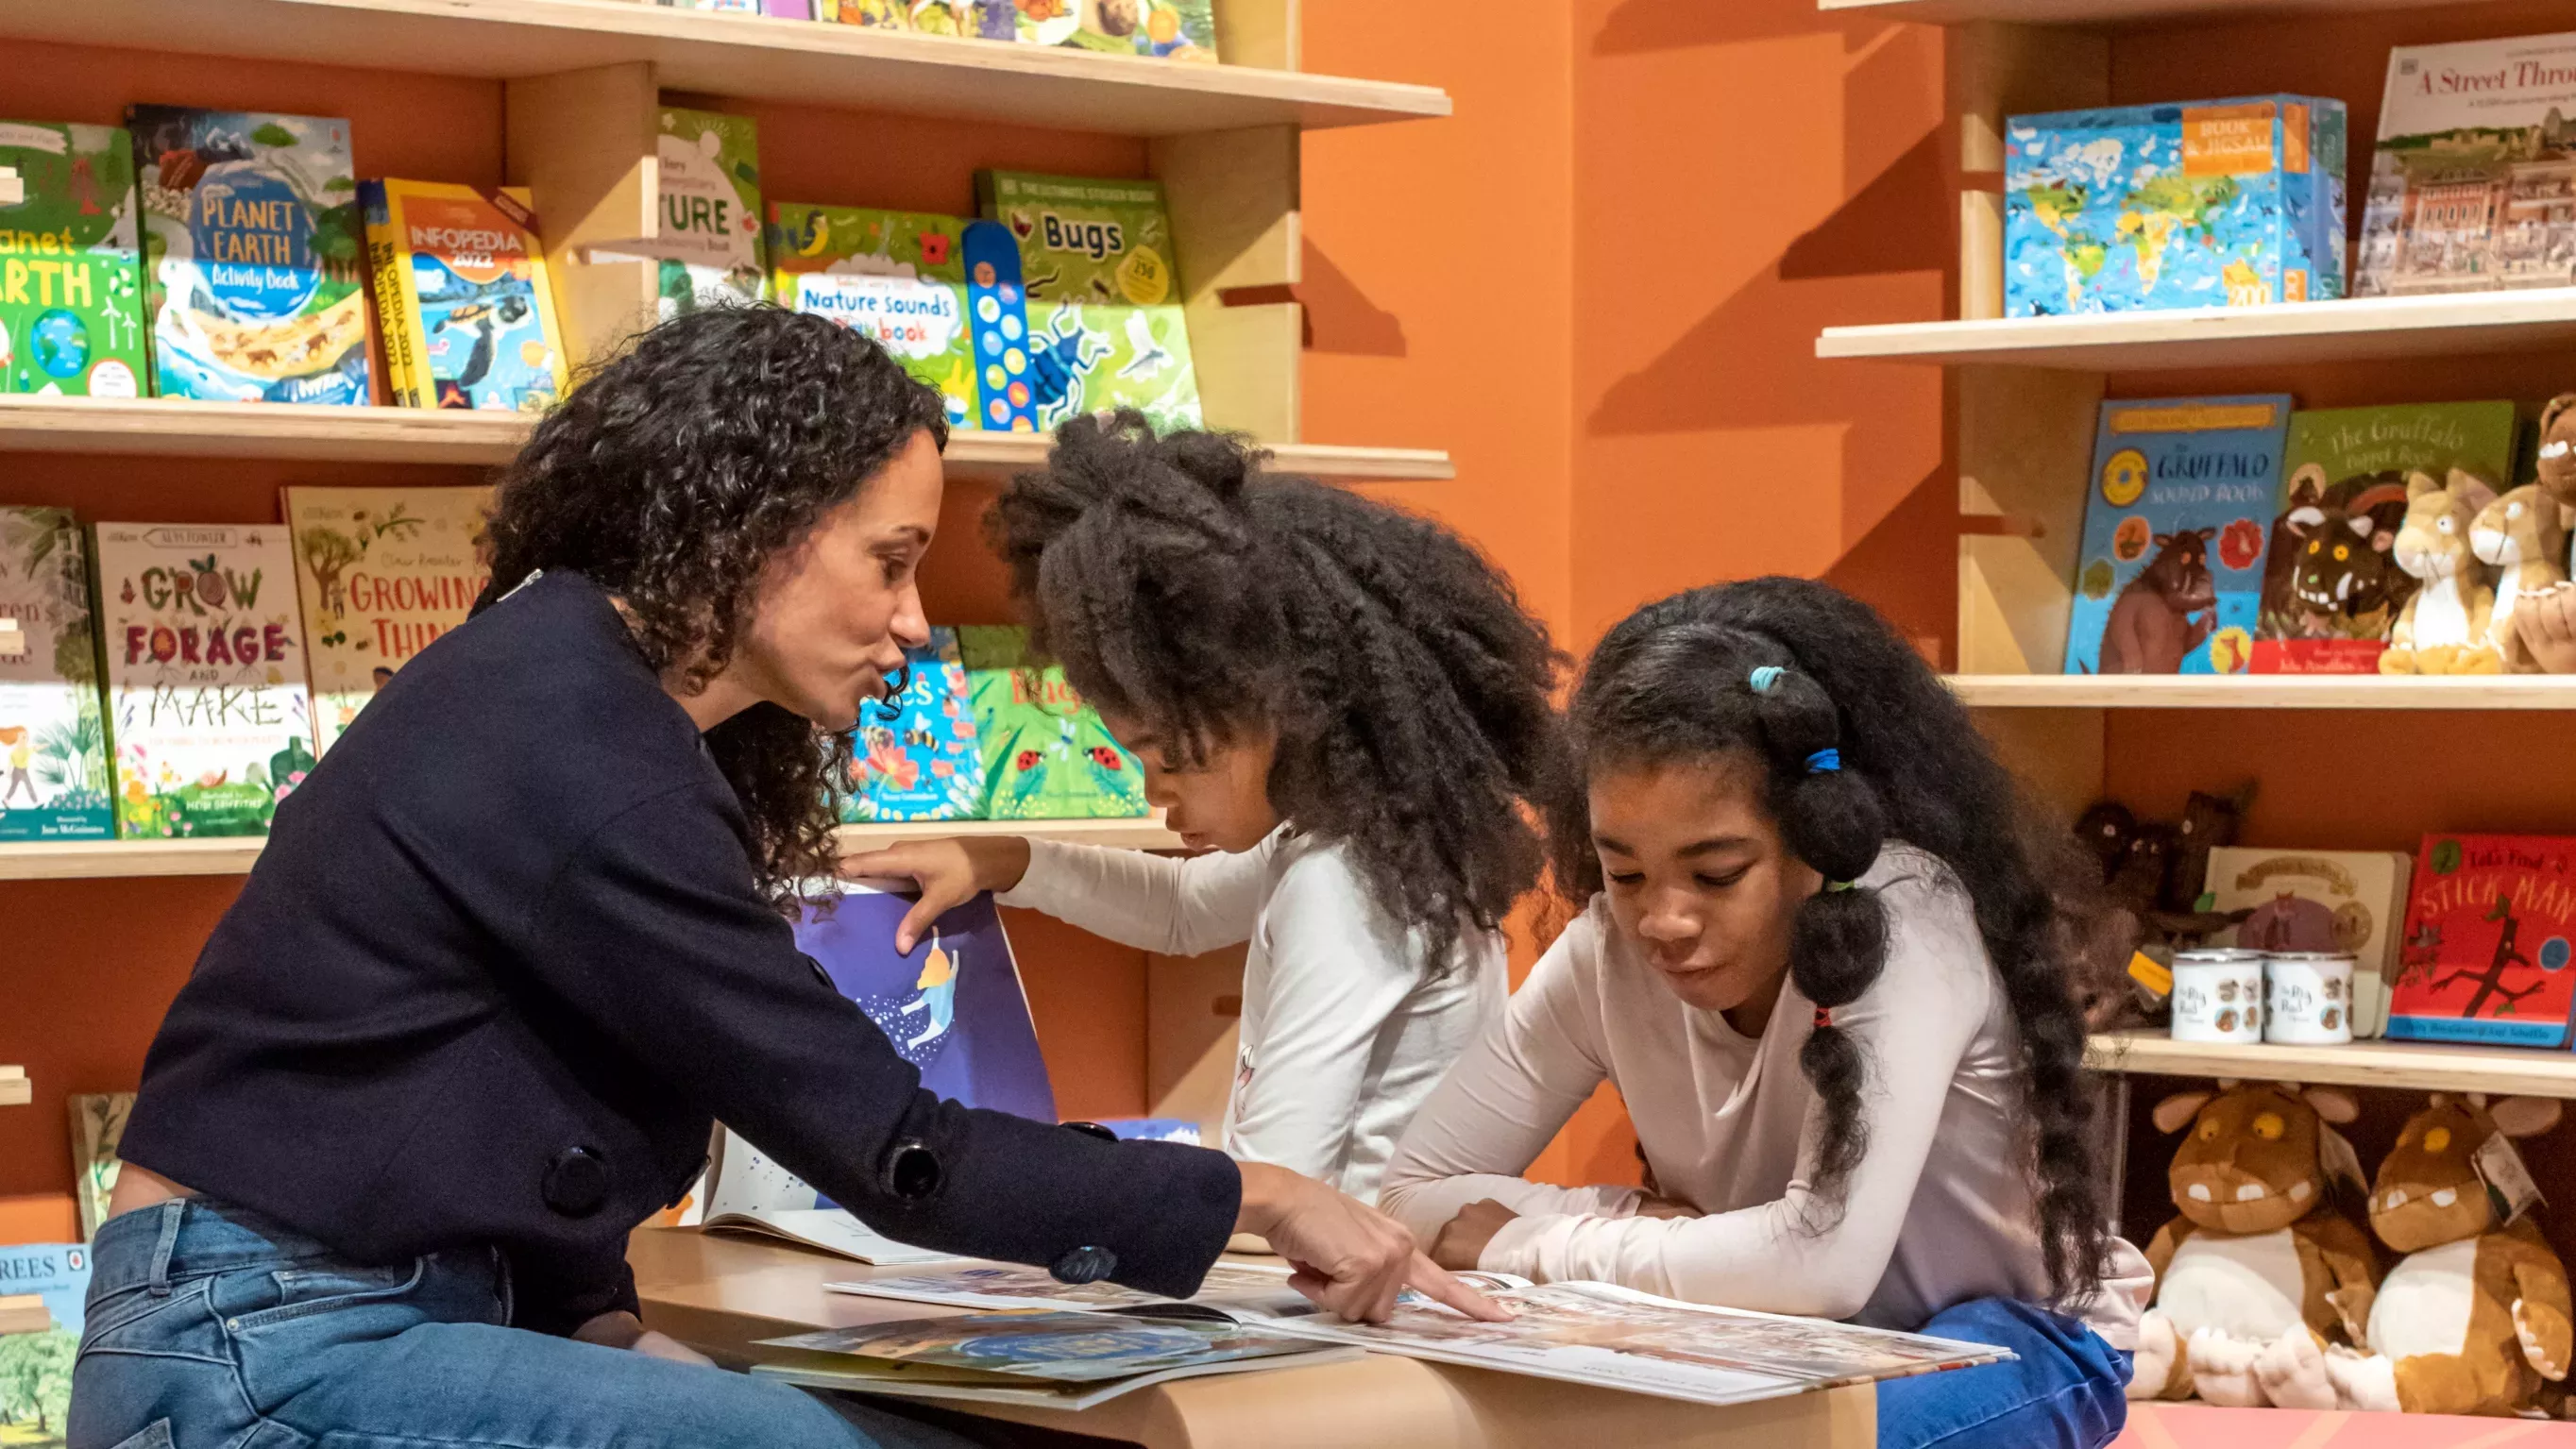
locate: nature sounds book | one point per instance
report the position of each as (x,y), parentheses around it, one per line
(2347,901)
(896,276)
(53,741)
(208,720)
(1047,756)
(918,759)
(2170,576)
(2484,957)
(710,246)
(379,573)
(462,300)
(251,256)
(2469,185)
(1104,297)
(44,1291)
(71,272)
(2331,585)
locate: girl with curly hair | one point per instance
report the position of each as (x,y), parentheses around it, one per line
(521,938)
(1822,962)
(1345,706)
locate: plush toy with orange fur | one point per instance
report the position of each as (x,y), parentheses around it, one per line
(2475,1318)
(2261,1269)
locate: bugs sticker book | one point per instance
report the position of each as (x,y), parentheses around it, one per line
(462,297)
(71,275)
(1103,296)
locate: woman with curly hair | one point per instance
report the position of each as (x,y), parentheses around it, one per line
(1345,705)
(521,938)
(1822,962)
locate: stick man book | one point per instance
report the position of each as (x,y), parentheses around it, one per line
(71,274)
(2487,943)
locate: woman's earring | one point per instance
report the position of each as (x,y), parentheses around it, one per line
(891,688)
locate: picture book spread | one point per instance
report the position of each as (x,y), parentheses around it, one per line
(2487,942)
(2170,577)
(462,298)
(379,573)
(251,256)
(209,724)
(53,739)
(71,273)
(44,1290)
(1047,756)
(2473,184)
(2349,902)
(1032,1360)
(1104,297)
(896,276)
(918,759)
(1588,1333)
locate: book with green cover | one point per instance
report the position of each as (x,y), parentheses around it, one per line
(53,742)
(710,247)
(896,276)
(1046,754)
(71,271)
(1104,296)
(380,573)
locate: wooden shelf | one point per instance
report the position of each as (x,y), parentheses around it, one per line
(176,427)
(2105,12)
(738,55)
(2363,329)
(2405,1065)
(2262,691)
(91,859)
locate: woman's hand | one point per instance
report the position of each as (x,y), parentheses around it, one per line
(1349,1258)
(949,872)
(1462,1241)
(620,1329)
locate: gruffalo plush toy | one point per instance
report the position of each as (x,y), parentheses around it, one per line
(2474,1319)
(2262,1268)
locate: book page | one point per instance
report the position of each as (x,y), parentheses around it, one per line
(833,1230)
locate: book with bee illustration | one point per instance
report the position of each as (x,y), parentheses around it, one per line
(209,725)
(896,276)
(53,754)
(251,256)
(71,278)
(379,573)
(1047,756)
(462,300)
(1104,297)
(917,758)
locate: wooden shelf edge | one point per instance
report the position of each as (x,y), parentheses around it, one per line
(2265,691)
(2399,1065)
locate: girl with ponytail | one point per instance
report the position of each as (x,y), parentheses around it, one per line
(1822,961)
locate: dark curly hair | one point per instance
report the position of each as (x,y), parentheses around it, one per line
(671,476)
(1412,696)
(1781,669)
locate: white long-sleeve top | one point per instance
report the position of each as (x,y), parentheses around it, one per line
(1939,1211)
(1346,1028)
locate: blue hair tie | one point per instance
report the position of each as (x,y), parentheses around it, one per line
(1765,677)
(1824,762)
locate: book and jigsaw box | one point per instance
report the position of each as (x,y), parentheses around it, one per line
(2473,182)
(896,276)
(2170,577)
(251,253)
(53,741)
(710,246)
(379,574)
(1047,756)
(209,725)
(2351,902)
(918,758)
(2484,957)
(1104,298)
(2332,589)
(462,299)
(2229,203)
(71,271)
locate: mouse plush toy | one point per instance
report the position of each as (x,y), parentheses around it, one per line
(2261,1269)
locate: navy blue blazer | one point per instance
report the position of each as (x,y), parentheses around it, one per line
(503,962)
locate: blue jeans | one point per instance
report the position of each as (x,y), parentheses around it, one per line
(2066,1389)
(213,1328)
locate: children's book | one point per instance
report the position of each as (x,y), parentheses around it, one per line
(462,299)
(710,247)
(1183,30)
(2171,573)
(2331,585)
(1104,297)
(2226,203)
(874,14)
(209,724)
(919,759)
(98,1125)
(2484,957)
(1033,1360)
(896,276)
(53,738)
(1047,756)
(2473,184)
(2351,902)
(379,573)
(251,256)
(71,271)
(44,1288)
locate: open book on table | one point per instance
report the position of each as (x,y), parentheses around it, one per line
(1586,1333)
